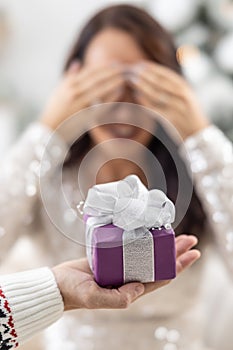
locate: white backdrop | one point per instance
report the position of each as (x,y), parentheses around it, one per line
(40,35)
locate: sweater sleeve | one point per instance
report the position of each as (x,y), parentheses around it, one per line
(29,302)
(210,156)
(20,174)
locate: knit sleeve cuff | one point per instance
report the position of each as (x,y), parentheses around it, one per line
(34,301)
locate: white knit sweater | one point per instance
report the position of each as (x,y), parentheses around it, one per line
(29,302)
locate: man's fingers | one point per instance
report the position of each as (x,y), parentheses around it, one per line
(181,237)
(115,298)
(185,243)
(133,290)
(152,286)
(186,260)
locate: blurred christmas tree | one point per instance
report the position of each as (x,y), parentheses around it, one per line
(203,31)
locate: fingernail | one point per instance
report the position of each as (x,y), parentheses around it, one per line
(139,289)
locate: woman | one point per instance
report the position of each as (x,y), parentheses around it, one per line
(123,55)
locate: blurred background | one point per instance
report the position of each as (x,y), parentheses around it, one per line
(35,36)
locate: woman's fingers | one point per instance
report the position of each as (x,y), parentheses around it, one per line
(145,101)
(104,92)
(93,77)
(158,98)
(144,88)
(115,95)
(164,73)
(159,111)
(158,83)
(159,88)
(98,84)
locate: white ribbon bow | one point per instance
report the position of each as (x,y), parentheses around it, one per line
(129,205)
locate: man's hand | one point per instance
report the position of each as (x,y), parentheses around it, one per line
(79,290)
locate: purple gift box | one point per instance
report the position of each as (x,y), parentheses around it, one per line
(107,254)
(122,244)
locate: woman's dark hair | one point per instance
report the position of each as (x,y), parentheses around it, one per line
(154,40)
(159,47)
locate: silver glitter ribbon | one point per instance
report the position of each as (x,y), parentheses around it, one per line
(129,205)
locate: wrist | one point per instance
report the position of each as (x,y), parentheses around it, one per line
(61,277)
(46,120)
(200,126)
(60,282)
